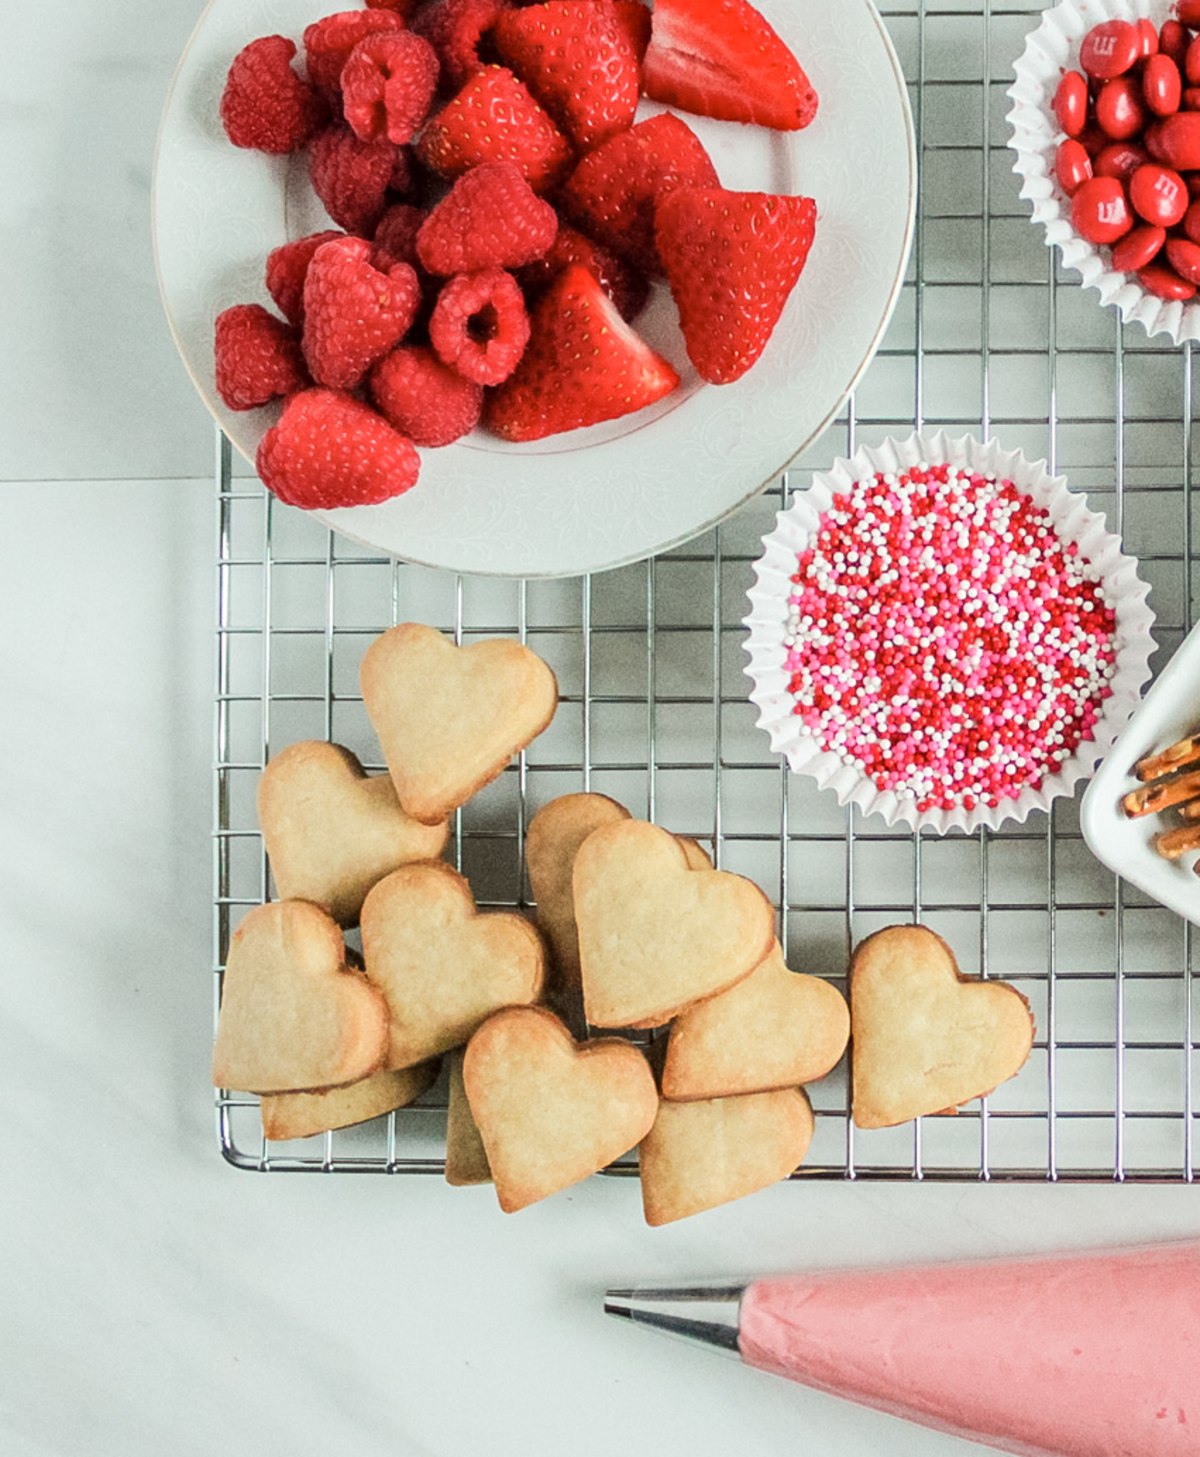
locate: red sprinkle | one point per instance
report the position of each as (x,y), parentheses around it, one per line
(944,640)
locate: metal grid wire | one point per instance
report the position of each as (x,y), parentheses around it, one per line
(989,336)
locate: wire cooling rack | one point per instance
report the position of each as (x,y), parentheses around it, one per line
(988,337)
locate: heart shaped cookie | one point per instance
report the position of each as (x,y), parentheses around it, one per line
(300,1115)
(552,841)
(701,1154)
(550,1110)
(450,718)
(442,966)
(775,1029)
(294,1017)
(466,1158)
(655,934)
(331,831)
(926,1038)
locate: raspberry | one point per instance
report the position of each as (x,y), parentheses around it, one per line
(491,217)
(257,357)
(328,450)
(627,288)
(329,41)
(350,176)
(396,235)
(423,398)
(387,85)
(265,105)
(286,267)
(456,29)
(353,313)
(479,325)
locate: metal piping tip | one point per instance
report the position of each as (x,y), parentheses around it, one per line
(707,1314)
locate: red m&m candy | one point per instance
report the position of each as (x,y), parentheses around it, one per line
(1162,85)
(1138,248)
(1071,103)
(1110,49)
(1099,211)
(1072,166)
(1158,195)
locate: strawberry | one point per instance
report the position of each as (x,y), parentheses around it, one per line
(286,267)
(491,217)
(721,58)
(613,192)
(479,326)
(329,41)
(495,119)
(257,357)
(583,364)
(265,105)
(634,19)
(458,31)
(328,450)
(353,313)
(627,288)
(350,176)
(577,59)
(732,259)
(388,82)
(423,398)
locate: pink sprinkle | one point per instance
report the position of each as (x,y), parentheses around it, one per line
(944,641)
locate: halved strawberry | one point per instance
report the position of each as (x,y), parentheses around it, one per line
(583,364)
(491,217)
(495,119)
(721,58)
(613,192)
(578,60)
(619,279)
(732,259)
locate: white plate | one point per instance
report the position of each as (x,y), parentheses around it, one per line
(615,493)
(1171,711)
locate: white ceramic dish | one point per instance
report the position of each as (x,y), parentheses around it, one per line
(615,493)
(1051,49)
(1087,530)
(1171,710)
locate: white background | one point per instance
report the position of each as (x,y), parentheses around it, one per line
(152,1300)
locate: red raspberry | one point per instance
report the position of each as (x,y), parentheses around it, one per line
(621,281)
(396,235)
(257,357)
(350,176)
(495,119)
(456,29)
(422,397)
(329,41)
(387,85)
(479,325)
(491,217)
(286,267)
(353,313)
(328,450)
(265,105)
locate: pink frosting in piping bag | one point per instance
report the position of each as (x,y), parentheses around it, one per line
(1084,1356)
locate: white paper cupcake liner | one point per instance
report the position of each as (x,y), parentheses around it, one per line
(1073,521)
(1050,50)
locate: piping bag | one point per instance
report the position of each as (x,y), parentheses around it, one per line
(1085,1355)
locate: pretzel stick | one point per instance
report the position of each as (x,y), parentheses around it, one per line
(1171,844)
(1177,756)
(1190,810)
(1162,794)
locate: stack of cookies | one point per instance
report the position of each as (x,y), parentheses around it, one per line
(647,1005)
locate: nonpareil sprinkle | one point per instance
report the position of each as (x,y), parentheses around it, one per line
(944,640)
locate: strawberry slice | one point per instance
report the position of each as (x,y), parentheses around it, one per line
(721,58)
(613,192)
(578,60)
(495,119)
(583,364)
(732,259)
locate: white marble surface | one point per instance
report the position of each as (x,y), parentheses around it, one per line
(155,1301)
